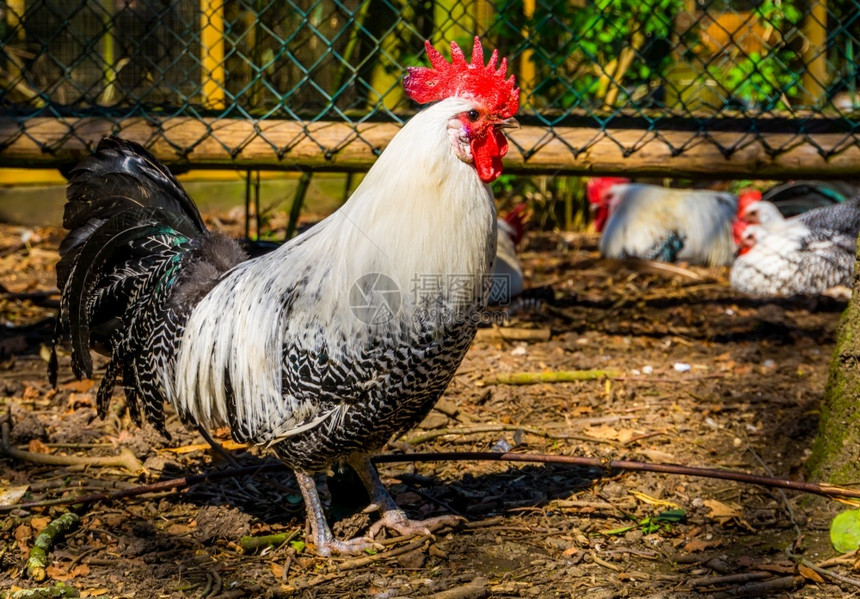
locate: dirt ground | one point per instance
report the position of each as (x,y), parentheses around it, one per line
(707,378)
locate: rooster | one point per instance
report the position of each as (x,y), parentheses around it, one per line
(803,255)
(326,347)
(658,223)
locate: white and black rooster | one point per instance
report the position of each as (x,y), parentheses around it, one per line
(806,254)
(326,347)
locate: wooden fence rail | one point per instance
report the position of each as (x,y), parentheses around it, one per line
(336,146)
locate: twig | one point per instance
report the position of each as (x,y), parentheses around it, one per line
(559,376)
(495,428)
(126,459)
(760,589)
(360,562)
(250,543)
(173,484)
(477,589)
(602,562)
(710,581)
(52,533)
(824,571)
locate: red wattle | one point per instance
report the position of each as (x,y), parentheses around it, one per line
(487,152)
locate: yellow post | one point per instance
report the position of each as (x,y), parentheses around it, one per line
(14,11)
(485,13)
(212,52)
(815,52)
(528,75)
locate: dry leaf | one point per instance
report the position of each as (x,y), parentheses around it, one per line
(654,501)
(700,545)
(36,446)
(720,511)
(277,570)
(23,534)
(570,551)
(80,400)
(609,433)
(81,386)
(94,592)
(655,455)
(39,522)
(80,570)
(808,573)
(228,445)
(11,495)
(57,573)
(724,513)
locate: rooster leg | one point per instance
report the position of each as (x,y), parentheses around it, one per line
(392,516)
(321,535)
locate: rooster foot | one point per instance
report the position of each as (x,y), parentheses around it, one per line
(396,520)
(325,547)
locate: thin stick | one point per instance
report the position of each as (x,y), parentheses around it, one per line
(126,459)
(609,465)
(605,466)
(495,428)
(559,376)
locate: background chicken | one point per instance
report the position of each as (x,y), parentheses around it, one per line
(803,255)
(659,223)
(507,272)
(329,345)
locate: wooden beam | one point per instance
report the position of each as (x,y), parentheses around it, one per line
(335,146)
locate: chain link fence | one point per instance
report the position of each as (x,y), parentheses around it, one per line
(685,87)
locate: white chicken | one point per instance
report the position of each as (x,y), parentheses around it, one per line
(803,255)
(659,223)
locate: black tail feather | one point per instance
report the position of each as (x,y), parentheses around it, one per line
(136,261)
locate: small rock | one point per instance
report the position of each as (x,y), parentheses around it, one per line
(682,367)
(501,446)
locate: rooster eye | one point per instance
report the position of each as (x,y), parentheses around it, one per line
(473,115)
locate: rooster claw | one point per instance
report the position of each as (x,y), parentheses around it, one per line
(396,520)
(348,547)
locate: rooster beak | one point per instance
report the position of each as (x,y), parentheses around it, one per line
(510,123)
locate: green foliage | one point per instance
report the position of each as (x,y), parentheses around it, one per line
(845,531)
(652,523)
(578,47)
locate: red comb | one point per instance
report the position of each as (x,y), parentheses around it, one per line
(445,79)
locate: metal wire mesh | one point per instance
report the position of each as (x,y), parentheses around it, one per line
(313,83)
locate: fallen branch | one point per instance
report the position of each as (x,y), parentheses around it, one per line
(606,466)
(558,376)
(51,534)
(760,589)
(57,591)
(495,428)
(477,589)
(126,459)
(173,484)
